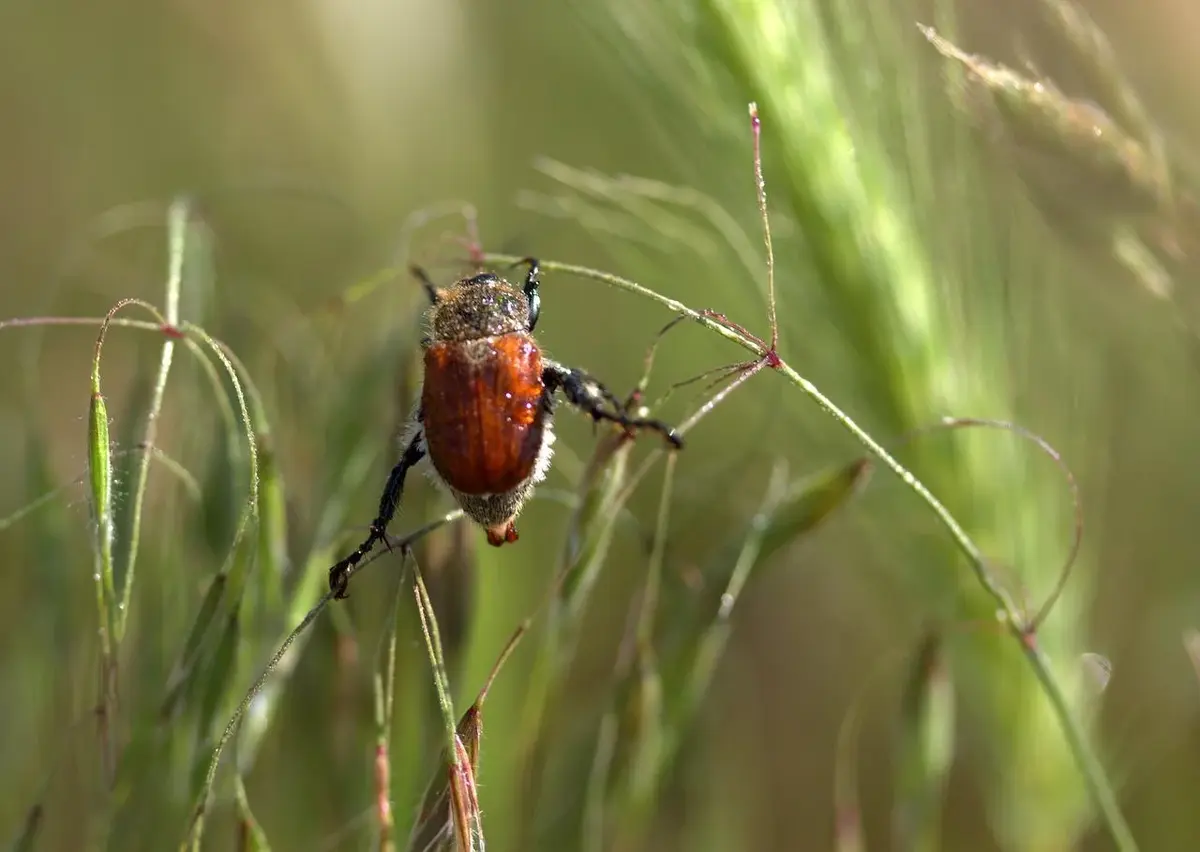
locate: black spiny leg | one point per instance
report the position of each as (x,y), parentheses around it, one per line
(431,289)
(591,397)
(532,296)
(338,574)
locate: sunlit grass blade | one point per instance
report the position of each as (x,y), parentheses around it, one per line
(100,480)
(250,835)
(644,738)
(786,514)
(808,504)
(644,735)
(789,511)
(925,748)
(185,665)
(848,833)
(213,687)
(594,822)
(587,541)
(271,532)
(216,522)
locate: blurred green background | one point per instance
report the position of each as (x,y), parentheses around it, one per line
(306,133)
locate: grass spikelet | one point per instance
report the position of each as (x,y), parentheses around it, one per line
(1088,45)
(1071,133)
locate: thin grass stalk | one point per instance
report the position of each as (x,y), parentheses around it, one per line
(385,701)
(649,746)
(463,795)
(177,224)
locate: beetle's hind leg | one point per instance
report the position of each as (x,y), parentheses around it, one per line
(591,397)
(389,501)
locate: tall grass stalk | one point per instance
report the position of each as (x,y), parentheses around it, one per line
(919,334)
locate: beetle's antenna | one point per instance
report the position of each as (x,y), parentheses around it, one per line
(421,275)
(761,186)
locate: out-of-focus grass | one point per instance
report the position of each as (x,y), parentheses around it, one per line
(684,686)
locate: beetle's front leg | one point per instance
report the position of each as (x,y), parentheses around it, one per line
(591,397)
(388,502)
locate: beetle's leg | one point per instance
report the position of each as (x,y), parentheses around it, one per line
(532,296)
(431,289)
(388,502)
(591,397)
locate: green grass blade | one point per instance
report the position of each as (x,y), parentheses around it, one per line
(848,832)
(189,656)
(100,476)
(464,801)
(176,235)
(26,840)
(250,835)
(926,749)
(213,685)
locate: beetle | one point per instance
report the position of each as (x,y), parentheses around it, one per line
(483,423)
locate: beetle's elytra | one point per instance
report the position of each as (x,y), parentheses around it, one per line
(484,418)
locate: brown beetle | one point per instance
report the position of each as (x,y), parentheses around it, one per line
(484,421)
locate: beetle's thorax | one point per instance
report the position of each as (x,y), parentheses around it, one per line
(483,306)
